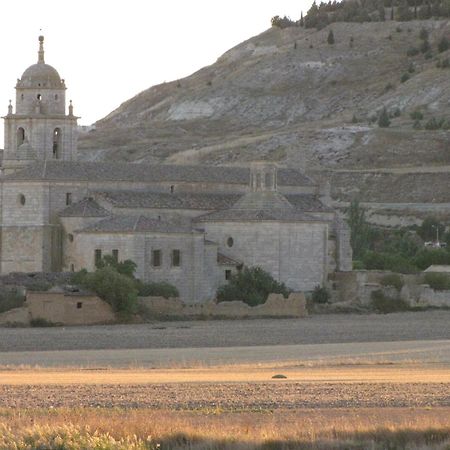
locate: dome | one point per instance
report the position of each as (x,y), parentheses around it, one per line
(41,75)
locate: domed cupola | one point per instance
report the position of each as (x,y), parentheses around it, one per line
(39,129)
(40,90)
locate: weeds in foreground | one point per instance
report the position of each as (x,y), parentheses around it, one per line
(121,429)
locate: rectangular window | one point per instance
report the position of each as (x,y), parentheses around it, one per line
(176,258)
(227,274)
(156,258)
(115,255)
(97,256)
(68,198)
(79,305)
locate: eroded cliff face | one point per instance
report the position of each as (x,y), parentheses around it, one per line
(289,96)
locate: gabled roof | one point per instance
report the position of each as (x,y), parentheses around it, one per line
(136,224)
(256,215)
(438,269)
(182,200)
(85,208)
(51,170)
(224,260)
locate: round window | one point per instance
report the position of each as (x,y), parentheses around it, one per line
(230,242)
(70,237)
(21,199)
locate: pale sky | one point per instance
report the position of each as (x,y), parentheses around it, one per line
(108,51)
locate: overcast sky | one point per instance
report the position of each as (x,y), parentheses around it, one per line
(108,51)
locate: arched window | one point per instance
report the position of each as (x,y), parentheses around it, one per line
(39,97)
(20,136)
(57,135)
(21,200)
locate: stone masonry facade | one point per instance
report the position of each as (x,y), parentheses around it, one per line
(192,226)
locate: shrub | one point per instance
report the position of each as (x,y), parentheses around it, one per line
(39,322)
(383,304)
(417,125)
(10,300)
(320,295)
(358,265)
(428,257)
(423,34)
(425,47)
(416,115)
(443,45)
(383,119)
(412,51)
(41,286)
(433,124)
(157,289)
(392,279)
(251,285)
(330,38)
(116,289)
(127,267)
(411,68)
(437,281)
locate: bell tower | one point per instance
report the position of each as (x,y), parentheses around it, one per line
(40,129)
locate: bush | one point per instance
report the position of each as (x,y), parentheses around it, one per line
(330,38)
(443,45)
(116,289)
(383,304)
(127,267)
(405,77)
(416,115)
(39,322)
(10,300)
(157,289)
(392,279)
(383,119)
(40,286)
(252,286)
(437,281)
(428,257)
(412,51)
(320,295)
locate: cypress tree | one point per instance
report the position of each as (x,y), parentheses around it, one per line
(330,38)
(383,120)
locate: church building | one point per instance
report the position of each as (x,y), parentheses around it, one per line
(193,226)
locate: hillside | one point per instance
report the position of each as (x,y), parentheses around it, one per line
(288,96)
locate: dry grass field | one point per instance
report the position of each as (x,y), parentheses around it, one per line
(349,395)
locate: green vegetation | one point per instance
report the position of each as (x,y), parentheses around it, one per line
(416,115)
(251,285)
(320,295)
(392,279)
(443,45)
(383,119)
(384,304)
(39,322)
(437,281)
(40,286)
(398,250)
(405,77)
(114,282)
(330,38)
(10,300)
(157,289)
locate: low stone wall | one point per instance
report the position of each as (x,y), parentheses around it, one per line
(15,316)
(356,287)
(275,306)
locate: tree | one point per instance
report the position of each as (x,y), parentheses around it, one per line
(443,45)
(127,267)
(383,119)
(430,229)
(302,22)
(359,229)
(251,285)
(330,38)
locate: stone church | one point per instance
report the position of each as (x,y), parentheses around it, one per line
(192,226)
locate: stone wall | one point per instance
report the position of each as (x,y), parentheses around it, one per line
(275,306)
(293,253)
(68,309)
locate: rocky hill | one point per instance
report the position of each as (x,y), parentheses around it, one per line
(289,96)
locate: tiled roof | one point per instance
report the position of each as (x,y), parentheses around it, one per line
(84,208)
(137,224)
(256,215)
(106,171)
(185,200)
(224,260)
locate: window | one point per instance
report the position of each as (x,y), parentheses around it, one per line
(230,242)
(70,237)
(115,255)
(72,268)
(97,256)
(57,143)
(227,274)
(156,258)
(39,97)
(21,200)
(79,305)
(20,136)
(68,198)
(176,258)
(172,189)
